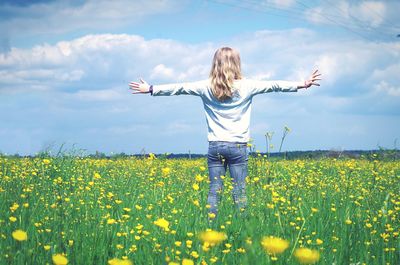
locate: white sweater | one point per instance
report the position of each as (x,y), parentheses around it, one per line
(228,120)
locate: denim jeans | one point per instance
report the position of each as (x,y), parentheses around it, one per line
(220,155)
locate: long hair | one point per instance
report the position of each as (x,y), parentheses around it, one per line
(225,69)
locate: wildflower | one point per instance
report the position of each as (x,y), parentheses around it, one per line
(12,219)
(116,261)
(195,186)
(59,259)
(212,237)
(162,223)
(241,250)
(274,245)
(319,241)
(187,262)
(194,254)
(20,235)
(111,221)
(306,255)
(348,221)
(46,247)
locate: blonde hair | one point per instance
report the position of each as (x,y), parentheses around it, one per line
(225,69)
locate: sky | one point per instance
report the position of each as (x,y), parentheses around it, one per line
(65,68)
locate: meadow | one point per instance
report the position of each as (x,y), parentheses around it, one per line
(152,210)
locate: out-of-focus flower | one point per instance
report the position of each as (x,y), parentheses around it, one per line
(274,245)
(306,255)
(212,237)
(59,259)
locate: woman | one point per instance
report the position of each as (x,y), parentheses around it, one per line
(227,99)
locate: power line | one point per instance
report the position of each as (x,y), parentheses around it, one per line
(335,22)
(360,23)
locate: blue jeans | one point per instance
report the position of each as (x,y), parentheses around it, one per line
(220,155)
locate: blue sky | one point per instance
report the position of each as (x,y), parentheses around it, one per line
(65,68)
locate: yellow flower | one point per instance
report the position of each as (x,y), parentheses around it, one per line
(116,261)
(162,223)
(348,221)
(306,255)
(111,221)
(187,262)
(319,241)
(274,245)
(46,247)
(59,259)
(20,235)
(212,237)
(12,219)
(195,186)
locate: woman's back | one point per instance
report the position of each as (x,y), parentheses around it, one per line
(227,120)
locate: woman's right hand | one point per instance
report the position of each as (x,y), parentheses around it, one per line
(140,88)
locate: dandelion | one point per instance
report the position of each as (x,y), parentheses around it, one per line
(59,259)
(195,186)
(20,235)
(12,219)
(212,237)
(319,241)
(162,223)
(274,245)
(306,255)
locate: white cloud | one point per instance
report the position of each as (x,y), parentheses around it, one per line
(281,3)
(58,17)
(367,19)
(371,12)
(388,89)
(162,72)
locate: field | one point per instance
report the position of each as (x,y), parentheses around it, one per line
(153,211)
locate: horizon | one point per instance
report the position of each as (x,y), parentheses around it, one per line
(65,68)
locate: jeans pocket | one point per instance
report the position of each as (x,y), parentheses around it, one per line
(238,154)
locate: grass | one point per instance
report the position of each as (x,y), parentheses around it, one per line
(92,210)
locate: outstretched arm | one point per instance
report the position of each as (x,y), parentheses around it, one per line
(258,86)
(188,88)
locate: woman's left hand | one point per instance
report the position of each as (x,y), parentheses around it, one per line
(312,80)
(139,88)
